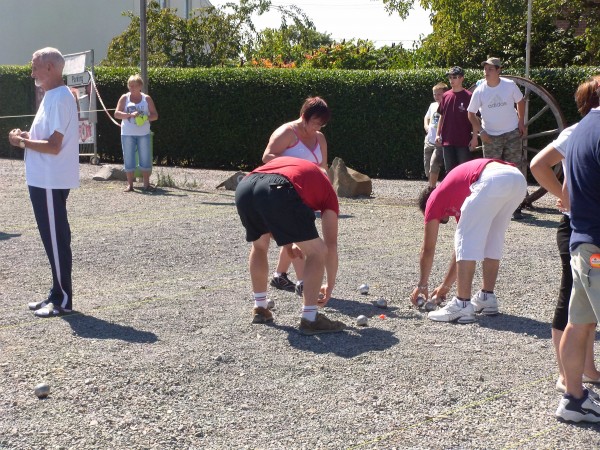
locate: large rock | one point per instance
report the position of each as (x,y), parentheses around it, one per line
(231,183)
(107,173)
(348,182)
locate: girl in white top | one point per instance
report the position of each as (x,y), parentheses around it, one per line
(300,138)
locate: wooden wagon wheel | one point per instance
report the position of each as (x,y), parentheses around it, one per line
(545,122)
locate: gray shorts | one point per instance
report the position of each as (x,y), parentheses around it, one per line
(585,296)
(433,158)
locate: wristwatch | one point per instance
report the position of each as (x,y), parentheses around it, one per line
(22,143)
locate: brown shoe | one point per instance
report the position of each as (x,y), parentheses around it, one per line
(261,315)
(321,325)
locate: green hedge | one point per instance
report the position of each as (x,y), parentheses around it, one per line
(17,98)
(222,118)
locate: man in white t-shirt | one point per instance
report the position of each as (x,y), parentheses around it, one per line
(51,150)
(501,126)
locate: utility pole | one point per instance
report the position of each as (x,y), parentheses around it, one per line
(143,44)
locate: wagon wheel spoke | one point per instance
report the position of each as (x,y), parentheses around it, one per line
(538,115)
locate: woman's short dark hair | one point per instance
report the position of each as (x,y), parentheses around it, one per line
(315,107)
(424,196)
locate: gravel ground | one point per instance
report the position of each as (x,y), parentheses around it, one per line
(161,353)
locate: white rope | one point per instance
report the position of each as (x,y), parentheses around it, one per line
(102,103)
(33,115)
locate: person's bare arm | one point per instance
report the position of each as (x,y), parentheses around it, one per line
(278,142)
(152,112)
(541,169)
(52,145)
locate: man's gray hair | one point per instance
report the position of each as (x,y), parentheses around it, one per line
(51,55)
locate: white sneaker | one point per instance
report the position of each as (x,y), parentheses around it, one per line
(577,410)
(486,304)
(454,312)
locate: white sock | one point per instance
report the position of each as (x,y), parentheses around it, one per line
(260,299)
(277,274)
(309,313)
(299,282)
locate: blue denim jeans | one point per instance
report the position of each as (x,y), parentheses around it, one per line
(141,144)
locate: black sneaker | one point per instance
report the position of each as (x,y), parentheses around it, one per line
(583,409)
(283,282)
(321,325)
(299,288)
(518,215)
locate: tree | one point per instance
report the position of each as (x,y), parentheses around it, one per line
(466,32)
(211,37)
(361,54)
(288,45)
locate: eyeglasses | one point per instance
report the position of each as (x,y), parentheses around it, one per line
(453,77)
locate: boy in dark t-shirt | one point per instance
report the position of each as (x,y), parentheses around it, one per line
(454,127)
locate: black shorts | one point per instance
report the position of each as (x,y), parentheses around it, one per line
(268,203)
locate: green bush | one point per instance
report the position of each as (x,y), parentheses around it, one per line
(222,118)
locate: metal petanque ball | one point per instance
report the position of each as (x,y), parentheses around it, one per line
(270,303)
(363,289)
(42,390)
(362,321)
(430,306)
(420,300)
(381,303)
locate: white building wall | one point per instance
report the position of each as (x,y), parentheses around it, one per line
(70,25)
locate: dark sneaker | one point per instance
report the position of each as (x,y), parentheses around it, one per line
(50,310)
(261,315)
(584,409)
(283,282)
(518,215)
(299,288)
(321,325)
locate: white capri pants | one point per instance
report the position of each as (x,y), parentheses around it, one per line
(486,213)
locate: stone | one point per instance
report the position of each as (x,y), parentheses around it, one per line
(348,182)
(231,183)
(107,173)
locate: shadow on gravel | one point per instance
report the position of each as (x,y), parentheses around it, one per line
(90,327)
(367,308)
(344,344)
(7,236)
(516,324)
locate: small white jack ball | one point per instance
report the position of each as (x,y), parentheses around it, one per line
(270,303)
(362,321)
(42,390)
(363,289)
(381,303)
